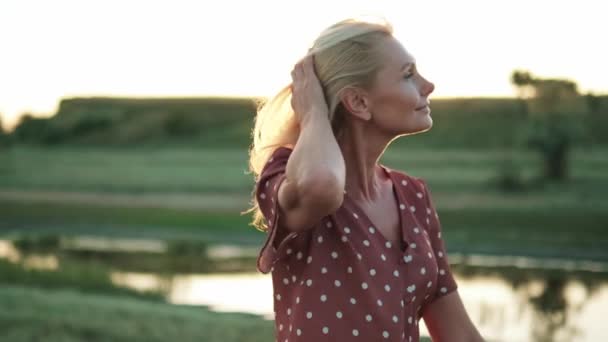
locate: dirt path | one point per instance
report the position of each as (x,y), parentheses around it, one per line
(220,202)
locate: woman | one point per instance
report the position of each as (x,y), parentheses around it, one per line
(354,247)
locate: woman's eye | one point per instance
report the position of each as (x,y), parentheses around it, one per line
(409,75)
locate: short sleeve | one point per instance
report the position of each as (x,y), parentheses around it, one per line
(267,189)
(445,279)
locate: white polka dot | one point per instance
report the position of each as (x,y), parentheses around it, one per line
(298,300)
(395,319)
(428,211)
(309,259)
(267,182)
(344,238)
(299,332)
(328,224)
(366,243)
(402,206)
(385,334)
(396,273)
(334,255)
(442,272)
(349,269)
(419,194)
(285,281)
(428,221)
(293,278)
(347,230)
(288,311)
(263,195)
(364,285)
(372,272)
(402,303)
(387,288)
(430,283)
(309,282)
(355,332)
(320,239)
(353,300)
(325,330)
(383,257)
(413,245)
(339,314)
(423,270)
(368,318)
(289,250)
(411,288)
(439,235)
(388,244)
(440,254)
(379,302)
(355,215)
(359,256)
(309,315)
(403,182)
(337,283)
(323,298)
(323,270)
(413,209)
(372,230)
(444,290)
(407,258)
(281,327)
(278,296)
(416,230)
(409,320)
(430,255)
(299,255)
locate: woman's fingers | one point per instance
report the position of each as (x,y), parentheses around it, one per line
(307,94)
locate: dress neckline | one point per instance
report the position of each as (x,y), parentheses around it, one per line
(397,198)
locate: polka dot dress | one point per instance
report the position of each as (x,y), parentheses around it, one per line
(342,280)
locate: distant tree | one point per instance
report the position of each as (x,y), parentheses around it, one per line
(4,136)
(593,102)
(552,107)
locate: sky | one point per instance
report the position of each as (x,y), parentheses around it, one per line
(57,49)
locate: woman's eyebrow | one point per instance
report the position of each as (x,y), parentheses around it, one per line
(408,64)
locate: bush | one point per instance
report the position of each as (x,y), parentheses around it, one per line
(40,243)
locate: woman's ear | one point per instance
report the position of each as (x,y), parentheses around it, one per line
(356,102)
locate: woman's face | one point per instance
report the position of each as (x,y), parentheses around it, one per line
(399,97)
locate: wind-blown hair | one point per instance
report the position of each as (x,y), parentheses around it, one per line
(346,55)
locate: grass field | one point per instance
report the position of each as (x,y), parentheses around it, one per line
(199,193)
(66,315)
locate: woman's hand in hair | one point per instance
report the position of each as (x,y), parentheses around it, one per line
(307,93)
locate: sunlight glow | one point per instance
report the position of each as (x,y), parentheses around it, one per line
(67,48)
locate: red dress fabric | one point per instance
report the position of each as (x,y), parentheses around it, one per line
(342,280)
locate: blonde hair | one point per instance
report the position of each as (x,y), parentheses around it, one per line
(346,55)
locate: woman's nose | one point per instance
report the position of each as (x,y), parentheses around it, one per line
(428,88)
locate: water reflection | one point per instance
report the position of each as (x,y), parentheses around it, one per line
(508,299)
(538,309)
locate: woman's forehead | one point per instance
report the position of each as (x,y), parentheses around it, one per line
(396,57)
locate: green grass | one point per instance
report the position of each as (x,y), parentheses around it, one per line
(549,219)
(85,277)
(64,315)
(217,170)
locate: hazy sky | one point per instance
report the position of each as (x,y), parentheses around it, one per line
(60,48)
